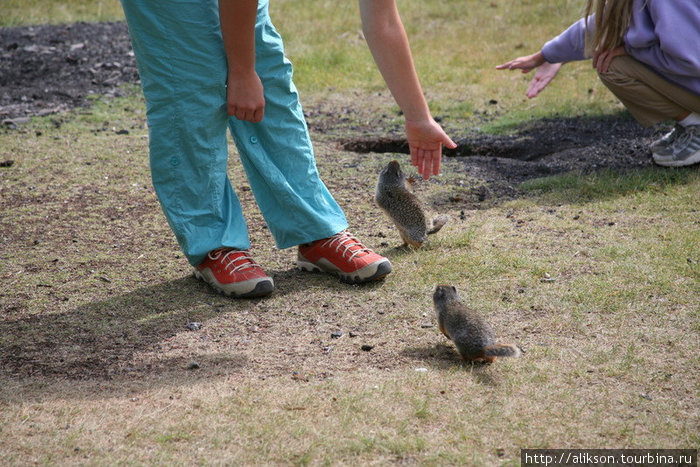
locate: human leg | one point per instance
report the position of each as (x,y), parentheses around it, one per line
(652,99)
(277,154)
(648,97)
(182,66)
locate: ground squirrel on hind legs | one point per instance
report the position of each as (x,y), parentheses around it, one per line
(403,207)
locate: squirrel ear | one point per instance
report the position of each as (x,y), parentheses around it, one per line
(454,289)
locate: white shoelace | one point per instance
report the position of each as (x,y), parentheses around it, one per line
(245,259)
(345,241)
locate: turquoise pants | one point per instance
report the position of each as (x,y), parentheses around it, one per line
(183,70)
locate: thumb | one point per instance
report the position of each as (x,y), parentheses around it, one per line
(447,141)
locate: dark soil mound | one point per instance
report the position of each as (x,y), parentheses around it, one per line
(47,69)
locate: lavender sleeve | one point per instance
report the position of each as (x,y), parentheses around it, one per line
(667,38)
(570,45)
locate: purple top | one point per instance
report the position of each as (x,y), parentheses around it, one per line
(663,34)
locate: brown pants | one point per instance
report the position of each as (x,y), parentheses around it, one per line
(647,96)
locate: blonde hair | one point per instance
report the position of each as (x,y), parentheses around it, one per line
(612,18)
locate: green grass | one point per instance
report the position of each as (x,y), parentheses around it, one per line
(608,183)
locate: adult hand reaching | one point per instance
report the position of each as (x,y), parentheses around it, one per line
(425,140)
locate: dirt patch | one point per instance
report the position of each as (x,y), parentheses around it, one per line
(49,69)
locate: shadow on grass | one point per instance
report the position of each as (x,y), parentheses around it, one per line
(98,339)
(445,357)
(130,337)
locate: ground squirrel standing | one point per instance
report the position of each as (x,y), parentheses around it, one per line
(403,207)
(473,337)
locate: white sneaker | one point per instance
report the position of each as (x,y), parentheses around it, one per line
(682,151)
(668,138)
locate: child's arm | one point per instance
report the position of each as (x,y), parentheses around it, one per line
(244,93)
(388,43)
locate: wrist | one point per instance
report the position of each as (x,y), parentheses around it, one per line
(539,59)
(417,116)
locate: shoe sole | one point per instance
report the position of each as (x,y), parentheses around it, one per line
(372,272)
(262,287)
(694,159)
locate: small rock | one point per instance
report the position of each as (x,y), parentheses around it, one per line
(367,347)
(427,325)
(194,326)
(422,370)
(336,335)
(193,365)
(547,278)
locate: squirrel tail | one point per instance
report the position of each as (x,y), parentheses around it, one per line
(502,350)
(438,223)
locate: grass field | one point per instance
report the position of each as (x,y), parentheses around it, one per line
(596,276)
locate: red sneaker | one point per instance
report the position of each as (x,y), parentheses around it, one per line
(345,256)
(233,272)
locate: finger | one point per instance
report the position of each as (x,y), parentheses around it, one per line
(606,63)
(419,160)
(534,88)
(414,156)
(601,61)
(447,141)
(436,163)
(426,166)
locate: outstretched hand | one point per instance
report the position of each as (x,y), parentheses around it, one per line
(425,140)
(543,76)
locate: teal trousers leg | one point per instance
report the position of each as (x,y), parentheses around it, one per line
(277,153)
(183,69)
